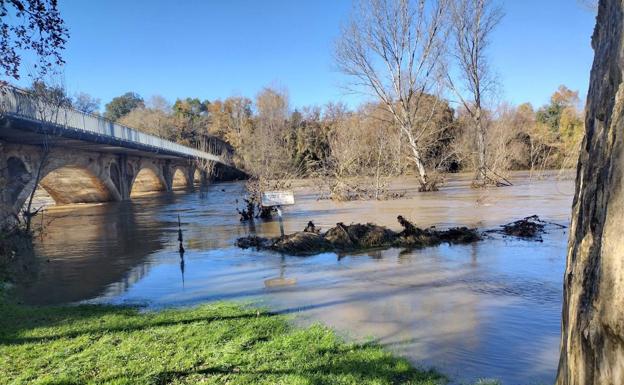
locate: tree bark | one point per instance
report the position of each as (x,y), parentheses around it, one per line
(592,339)
(481,148)
(425,184)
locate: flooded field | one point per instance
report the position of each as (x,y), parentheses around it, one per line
(490,309)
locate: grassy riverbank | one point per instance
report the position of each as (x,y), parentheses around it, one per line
(220,343)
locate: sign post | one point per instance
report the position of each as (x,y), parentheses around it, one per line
(281,222)
(278,199)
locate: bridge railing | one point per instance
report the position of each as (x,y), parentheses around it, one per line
(19,103)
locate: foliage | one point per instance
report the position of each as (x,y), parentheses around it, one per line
(563,99)
(31,25)
(356,152)
(189,120)
(220,343)
(232,120)
(150,120)
(521,139)
(122,105)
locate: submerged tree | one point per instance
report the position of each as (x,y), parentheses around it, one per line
(392,49)
(472,22)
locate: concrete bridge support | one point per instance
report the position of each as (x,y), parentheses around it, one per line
(80,176)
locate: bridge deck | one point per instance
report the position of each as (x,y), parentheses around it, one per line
(35,118)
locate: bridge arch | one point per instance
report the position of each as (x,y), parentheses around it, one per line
(180,179)
(65,180)
(76,184)
(148,179)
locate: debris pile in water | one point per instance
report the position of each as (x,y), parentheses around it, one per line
(360,237)
(530,228)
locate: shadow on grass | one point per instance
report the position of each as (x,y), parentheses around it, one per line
(378,371)
(223,342)
(16,320)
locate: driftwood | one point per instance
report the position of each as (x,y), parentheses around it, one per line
(360,237)
(252,210)
(529,228)
(310,228)
(357,237)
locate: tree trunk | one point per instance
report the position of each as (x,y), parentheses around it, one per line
(592,339)
(28,214)
(482,169)
(425,184)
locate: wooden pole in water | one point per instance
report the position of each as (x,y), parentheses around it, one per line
(180,238)
(281,222)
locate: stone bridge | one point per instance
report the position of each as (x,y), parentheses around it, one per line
(81,158)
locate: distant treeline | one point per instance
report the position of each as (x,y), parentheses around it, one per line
(272,140)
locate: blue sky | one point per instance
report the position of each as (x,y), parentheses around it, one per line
(216,48)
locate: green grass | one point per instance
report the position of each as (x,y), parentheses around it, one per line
(220,343)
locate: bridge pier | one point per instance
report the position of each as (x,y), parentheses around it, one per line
(122,176)
(79,176)
(80,158)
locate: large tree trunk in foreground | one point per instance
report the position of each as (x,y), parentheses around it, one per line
(592,340)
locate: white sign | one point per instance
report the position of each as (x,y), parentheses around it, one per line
(277,198)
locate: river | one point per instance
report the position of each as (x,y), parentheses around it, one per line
(490,309)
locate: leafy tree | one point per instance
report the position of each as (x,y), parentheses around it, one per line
(190,107)
(151,120)
(549,115)
(562,99)
(190,120)
(310,143)
(230,119)
(122,105)
(31,25)
(269,139)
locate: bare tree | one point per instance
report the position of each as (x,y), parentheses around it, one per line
(270,134)
(207,166)
(392,49)
(472,22)
(49,100)
(86,103)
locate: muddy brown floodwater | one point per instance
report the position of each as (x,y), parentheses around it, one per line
(489,309)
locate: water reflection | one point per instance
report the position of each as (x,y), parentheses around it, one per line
(282,280)
(92,249)
(490,309)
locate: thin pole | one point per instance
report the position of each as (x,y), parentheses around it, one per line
(281,222)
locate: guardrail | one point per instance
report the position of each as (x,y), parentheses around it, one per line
(19,103)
